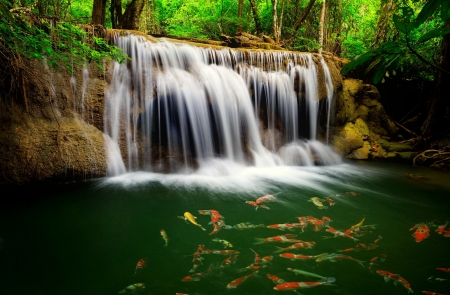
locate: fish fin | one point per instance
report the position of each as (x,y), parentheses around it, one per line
(279,249)
(386,279)
(258,241)
(203,228)
(362,263)
(395,283)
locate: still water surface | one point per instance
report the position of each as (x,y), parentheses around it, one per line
(86,238)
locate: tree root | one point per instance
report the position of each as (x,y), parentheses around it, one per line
(442,155)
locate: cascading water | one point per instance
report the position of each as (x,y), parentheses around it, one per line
(177,107)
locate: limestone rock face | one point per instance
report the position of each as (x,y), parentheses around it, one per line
(362,130)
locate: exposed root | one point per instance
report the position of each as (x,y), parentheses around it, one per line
(440,156)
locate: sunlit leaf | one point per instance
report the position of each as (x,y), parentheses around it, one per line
(428,9)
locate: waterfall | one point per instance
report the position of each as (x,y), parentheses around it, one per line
(176,107)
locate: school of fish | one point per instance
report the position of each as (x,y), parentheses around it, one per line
(300,279)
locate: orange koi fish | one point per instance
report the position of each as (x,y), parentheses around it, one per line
(229,261)
(196,276)
(441,228)
(256,205)
(421,233)
(235,283)
(337,233)
(446,234)
(197,261)
(378,239)
(330,201)
(396,278)
(289,286)
(302,245)
(432,293)
(277,280)
(445,269)
(294,257)
(357,248)
(279,239)
(141,264)
(181,294)
(202,250)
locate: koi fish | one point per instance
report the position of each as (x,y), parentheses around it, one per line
(280,239)
(133,289)
(378,239)
(266,260)
(164,236)
(301,245)
(247,225)
(198,260)
(191,218)
(225,252)
(333,257)
(305,273)
(330,201)
(374,260)
(318,202)
(337,233)
(353,193)
(229,261)
(202,250)
(294,257)
(266,198)
(445,269)
(421,233)
(396,278)
(256,205)
(141,264)
(432,293)
(303,285)
(277,280)
(285,226)
(436,279)
(441,228)
(357,248)
(446,234)
(358,224)
(196,276)
(235,283)
(224,243)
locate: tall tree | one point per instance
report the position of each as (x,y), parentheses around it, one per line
(116,12)
(240,10)
(256,17)
(321,24)
(132,14)
(99,12)
(299,21)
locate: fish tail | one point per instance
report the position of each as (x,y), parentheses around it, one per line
(259,241)
(204,229)
(279,249)
(362,263)
(328,280)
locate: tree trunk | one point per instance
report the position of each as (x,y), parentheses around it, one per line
(116,12)
(240,10)
(304,15)
(384,29)
(437,121)
(322,20)
(275,21)
(99,12)
(130,19)
(255,17)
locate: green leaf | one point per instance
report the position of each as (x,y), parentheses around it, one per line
(373,64)
(428,9)
(389,47)
(402,25)
(379,74)
(434,33)
(360,60)
(445,12)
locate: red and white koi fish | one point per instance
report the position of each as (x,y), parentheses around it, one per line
(356,248)
(374,260)
(337,233)
(289,286)
(141,264)
(286,226)
(378,239)
(396,278)
(294,257)
(181,294)
(277,280)
(446,234)
(421,233)
(197,261)
(266,198)
(330,201)
(224,252)
(317,223)
(235,283)
(441,228)
(202,250)
(279,239)
(301,245)
(432,293)
(256,205)
(196,276)
(266,260)
(333,257)
(229,261)
(445,269)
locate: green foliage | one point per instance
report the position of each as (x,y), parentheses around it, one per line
(419,33)
(63,44)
